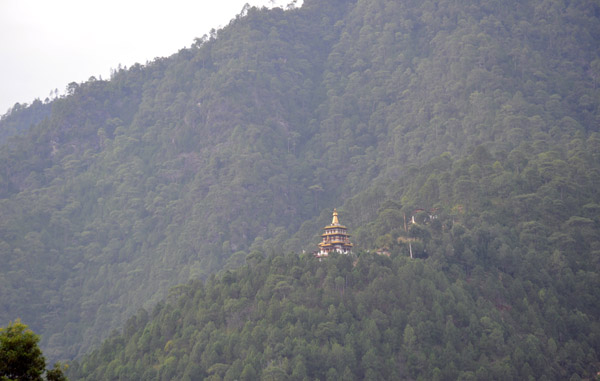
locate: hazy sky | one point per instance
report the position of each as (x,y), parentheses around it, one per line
(44,45)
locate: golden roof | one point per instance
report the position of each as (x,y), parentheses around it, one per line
(335,220)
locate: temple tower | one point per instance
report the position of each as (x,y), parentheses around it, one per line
(335,238)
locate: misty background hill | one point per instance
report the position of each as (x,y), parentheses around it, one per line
(487,112)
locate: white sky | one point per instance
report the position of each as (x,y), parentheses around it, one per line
(46,44)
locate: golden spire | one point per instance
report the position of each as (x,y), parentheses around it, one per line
(335,220)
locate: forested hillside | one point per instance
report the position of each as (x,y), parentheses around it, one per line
(20,118)
(290,317)
(486,115)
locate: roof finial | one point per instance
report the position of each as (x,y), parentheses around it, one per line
(335,220)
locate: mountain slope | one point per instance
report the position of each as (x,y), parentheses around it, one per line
(20,117)
(291,317)
(159,175)
(174,170)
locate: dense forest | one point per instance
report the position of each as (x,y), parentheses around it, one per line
(480,119)
(374,318)
(21,117)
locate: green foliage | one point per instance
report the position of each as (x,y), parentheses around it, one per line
(21,358)
(57,373)
(389,318)
(478,119)
(21,117)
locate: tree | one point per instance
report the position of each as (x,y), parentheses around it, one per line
(20,356)
(56,374)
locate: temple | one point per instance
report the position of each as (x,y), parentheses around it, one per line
(335,238)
